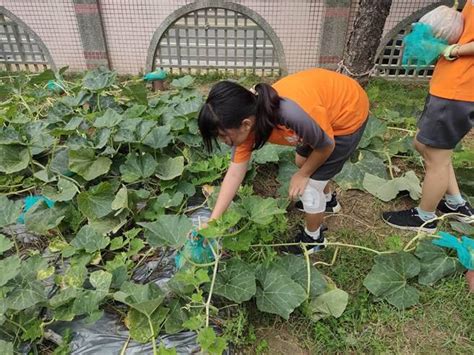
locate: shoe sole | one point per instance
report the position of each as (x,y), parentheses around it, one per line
(466,220)
(415,229)
(335,209)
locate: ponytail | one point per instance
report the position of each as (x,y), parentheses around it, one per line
(229,103)
(268,104)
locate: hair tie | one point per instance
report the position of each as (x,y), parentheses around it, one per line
(253,91)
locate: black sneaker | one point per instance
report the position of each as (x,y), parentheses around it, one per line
(331,206)
(466,210)
(302,237)
(409,220)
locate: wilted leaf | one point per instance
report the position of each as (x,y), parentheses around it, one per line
(330,304)
(387,190)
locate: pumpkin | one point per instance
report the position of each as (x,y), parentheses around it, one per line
(446,22)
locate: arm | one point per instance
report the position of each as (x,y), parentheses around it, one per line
(232,180)
(455,51)
(315,160)
(463,50)
(300,179)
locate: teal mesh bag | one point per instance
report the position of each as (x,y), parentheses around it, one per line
(196,251)
(421,47)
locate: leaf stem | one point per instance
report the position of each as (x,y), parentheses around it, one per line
(333,260)
(308,268)
(18,192)
(155,350)
(325,243)
(401,129)
(213,281)
(390,166)
(125,346)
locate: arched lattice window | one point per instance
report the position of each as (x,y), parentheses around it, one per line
(390,52)
(218,39)
(20,48)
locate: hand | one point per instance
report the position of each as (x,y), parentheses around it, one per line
(297,185)
(451,52)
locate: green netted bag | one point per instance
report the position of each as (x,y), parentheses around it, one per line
(421,47)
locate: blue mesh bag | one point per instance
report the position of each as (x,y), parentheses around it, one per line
(421,47)
(196,250)
(463,247)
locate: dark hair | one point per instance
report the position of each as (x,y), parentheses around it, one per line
(229,103)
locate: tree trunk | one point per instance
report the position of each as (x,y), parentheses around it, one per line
(362,44)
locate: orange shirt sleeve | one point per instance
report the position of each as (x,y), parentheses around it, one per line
(243,152)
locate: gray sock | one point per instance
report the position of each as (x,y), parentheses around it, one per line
(454,200)
(425,215)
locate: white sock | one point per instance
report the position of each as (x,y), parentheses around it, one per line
(328,196)
(315,235)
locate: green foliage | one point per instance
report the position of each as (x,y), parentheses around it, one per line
(389,277)
(120,168)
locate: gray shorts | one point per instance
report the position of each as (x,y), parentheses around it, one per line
(345,146)
(444,122)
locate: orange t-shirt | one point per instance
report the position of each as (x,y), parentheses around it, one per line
(454,80)
(317,105)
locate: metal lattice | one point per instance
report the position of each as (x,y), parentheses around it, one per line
(389,62)
(18,49)
(216,39)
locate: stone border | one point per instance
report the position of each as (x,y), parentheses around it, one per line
(150,61)
(33,34)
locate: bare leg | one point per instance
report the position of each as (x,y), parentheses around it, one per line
(327,189)
(437,179)
(314,221)
(453,188)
